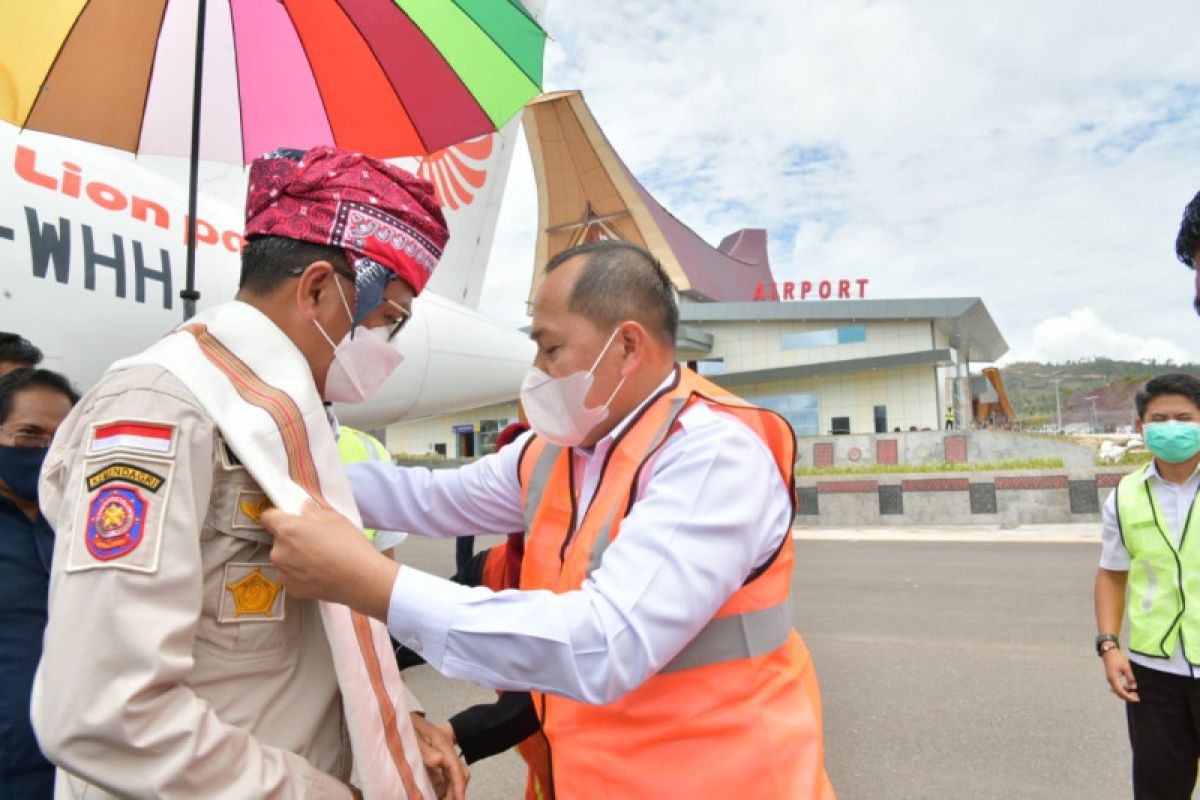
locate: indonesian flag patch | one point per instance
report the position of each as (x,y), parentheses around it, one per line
(148,437)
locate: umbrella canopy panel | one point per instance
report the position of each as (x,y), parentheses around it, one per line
(386,77)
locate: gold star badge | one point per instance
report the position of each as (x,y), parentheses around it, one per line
(253,594)
(254,508)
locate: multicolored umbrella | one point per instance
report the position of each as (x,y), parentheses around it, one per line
(228,80)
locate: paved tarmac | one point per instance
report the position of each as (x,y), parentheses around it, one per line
(954,663)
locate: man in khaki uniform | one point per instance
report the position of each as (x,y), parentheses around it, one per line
(175,664)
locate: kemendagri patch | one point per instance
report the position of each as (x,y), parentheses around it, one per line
(126,473)
(116,522)
(120,514)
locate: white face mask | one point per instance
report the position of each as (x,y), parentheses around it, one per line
(555,406)
(361,362)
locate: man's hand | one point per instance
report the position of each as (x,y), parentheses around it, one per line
(446,770)
(322,554)
(1120,675)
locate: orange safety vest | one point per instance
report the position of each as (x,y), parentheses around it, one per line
(738,712)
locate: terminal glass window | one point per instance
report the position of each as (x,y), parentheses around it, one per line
(713,366)
(802,411)
(489,429)
(849,334)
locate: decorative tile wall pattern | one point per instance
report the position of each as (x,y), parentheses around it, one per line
(956,449)
(833,487)
(1084,497)
(983,498)
(891,499)
(807,505)
(936,485)
(1033,482)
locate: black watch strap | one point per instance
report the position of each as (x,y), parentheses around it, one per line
(1106,637)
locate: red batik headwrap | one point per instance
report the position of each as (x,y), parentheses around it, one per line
(376,211)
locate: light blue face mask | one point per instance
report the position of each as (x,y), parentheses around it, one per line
(1172,441)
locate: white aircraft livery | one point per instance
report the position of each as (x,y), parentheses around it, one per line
(92,254)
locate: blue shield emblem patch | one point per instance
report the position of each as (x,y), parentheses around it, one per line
(116,520)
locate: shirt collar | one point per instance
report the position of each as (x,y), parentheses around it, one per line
(620,427)
(1152,472)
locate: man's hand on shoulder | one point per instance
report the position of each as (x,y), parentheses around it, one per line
(321,554)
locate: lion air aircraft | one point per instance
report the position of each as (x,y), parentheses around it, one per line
(92,253)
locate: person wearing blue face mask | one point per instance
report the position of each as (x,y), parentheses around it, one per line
(1151,536)
(33,403)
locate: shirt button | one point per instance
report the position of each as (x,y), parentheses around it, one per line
(413,643)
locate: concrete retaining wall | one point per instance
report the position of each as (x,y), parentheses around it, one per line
(964,498)
(937,447)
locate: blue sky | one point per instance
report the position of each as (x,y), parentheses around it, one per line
(1035,155)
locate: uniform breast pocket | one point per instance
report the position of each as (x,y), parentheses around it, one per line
(246,613)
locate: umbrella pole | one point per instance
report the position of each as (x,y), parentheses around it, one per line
(189,295)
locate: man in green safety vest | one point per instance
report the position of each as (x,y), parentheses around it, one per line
(355,446)
(1151,546)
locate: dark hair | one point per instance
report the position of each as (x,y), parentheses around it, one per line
(268,261)
(1188,240)
(18,349)
(21,379)
(621,281)
(1172,383)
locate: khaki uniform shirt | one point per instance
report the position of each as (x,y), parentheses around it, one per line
(175,665)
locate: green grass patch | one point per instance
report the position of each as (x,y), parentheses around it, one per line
(1136,459)
(979,466)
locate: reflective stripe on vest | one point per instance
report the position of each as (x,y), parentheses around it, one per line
(537,483)
(1164,580)
(753,633)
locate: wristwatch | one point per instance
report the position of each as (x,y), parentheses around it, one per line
(1106,637)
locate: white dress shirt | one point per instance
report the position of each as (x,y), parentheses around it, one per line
(1175,502)
(710,508)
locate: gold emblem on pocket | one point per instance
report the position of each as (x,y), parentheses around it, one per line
(254,508)
(253,594)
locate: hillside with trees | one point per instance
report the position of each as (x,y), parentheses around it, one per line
(1113,384)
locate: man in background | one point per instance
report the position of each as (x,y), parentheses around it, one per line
(33,403)
(1187,243)
(1150,535)
(16,352)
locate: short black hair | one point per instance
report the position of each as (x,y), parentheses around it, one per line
(18,349)
(1171,383)
(621,281)
(29,378)
(268,261)
(1188,240)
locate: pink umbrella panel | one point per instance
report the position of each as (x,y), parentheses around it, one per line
(385,77)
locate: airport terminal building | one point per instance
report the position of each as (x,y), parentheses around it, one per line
(835,366)
(822,352)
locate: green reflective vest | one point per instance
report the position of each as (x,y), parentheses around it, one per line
(1164,580)
(355,446)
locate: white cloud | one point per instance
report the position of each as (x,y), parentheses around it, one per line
(1038,159)
(1084,334)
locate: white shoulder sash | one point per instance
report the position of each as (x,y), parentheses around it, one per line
(258,388)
